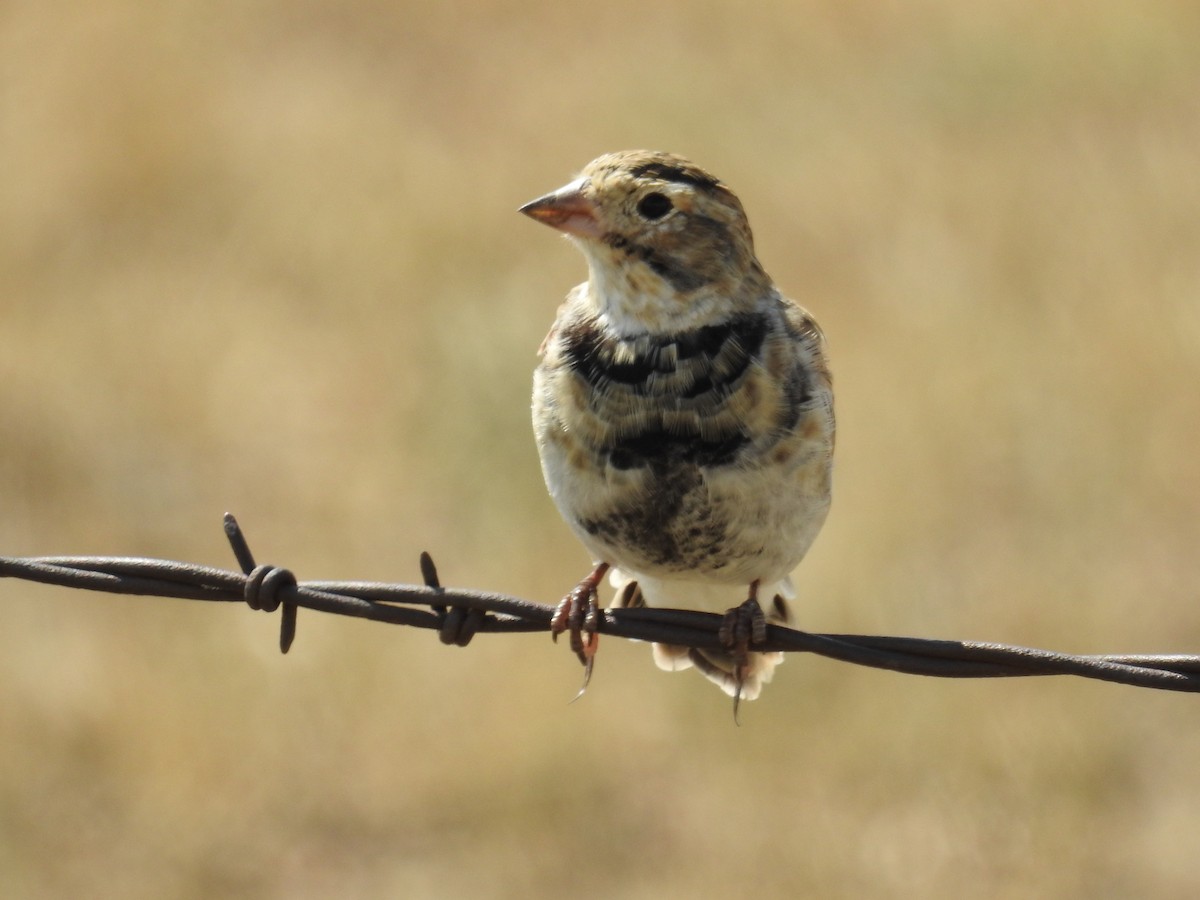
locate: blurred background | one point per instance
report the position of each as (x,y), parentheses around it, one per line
(265,257)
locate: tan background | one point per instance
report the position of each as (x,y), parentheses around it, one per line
(265,257)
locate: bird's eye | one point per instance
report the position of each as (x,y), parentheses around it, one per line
(654,206)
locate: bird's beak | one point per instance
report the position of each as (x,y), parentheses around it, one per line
(566,209)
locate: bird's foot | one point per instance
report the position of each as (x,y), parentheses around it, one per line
(578,614)
(743,626)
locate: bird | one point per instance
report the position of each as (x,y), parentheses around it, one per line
(683,413)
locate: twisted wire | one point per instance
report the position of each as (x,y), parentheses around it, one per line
(459,614)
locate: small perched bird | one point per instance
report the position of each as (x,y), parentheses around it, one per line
(683,411)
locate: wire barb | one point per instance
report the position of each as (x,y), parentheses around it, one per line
(265,585)
(458,625)
(458,615)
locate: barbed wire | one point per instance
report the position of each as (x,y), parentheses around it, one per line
(458,615)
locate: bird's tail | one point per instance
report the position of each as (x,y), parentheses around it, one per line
(718,666)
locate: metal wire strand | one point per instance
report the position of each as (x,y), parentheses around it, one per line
(458,614)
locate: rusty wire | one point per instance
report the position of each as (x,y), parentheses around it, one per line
(458,614)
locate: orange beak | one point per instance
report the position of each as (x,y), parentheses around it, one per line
(566,209)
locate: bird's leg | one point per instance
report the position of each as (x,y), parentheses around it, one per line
(579,614)
(742,626)
(630,597)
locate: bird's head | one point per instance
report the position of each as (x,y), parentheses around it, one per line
(664,239)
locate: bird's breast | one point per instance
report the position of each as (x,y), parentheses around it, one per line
(687,450)
(661,400)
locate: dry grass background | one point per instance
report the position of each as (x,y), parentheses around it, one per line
(265,257)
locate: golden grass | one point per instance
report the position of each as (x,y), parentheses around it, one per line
(266,258)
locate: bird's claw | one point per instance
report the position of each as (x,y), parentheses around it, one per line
(742,627)
(578,614)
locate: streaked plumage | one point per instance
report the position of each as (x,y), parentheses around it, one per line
(682,406)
